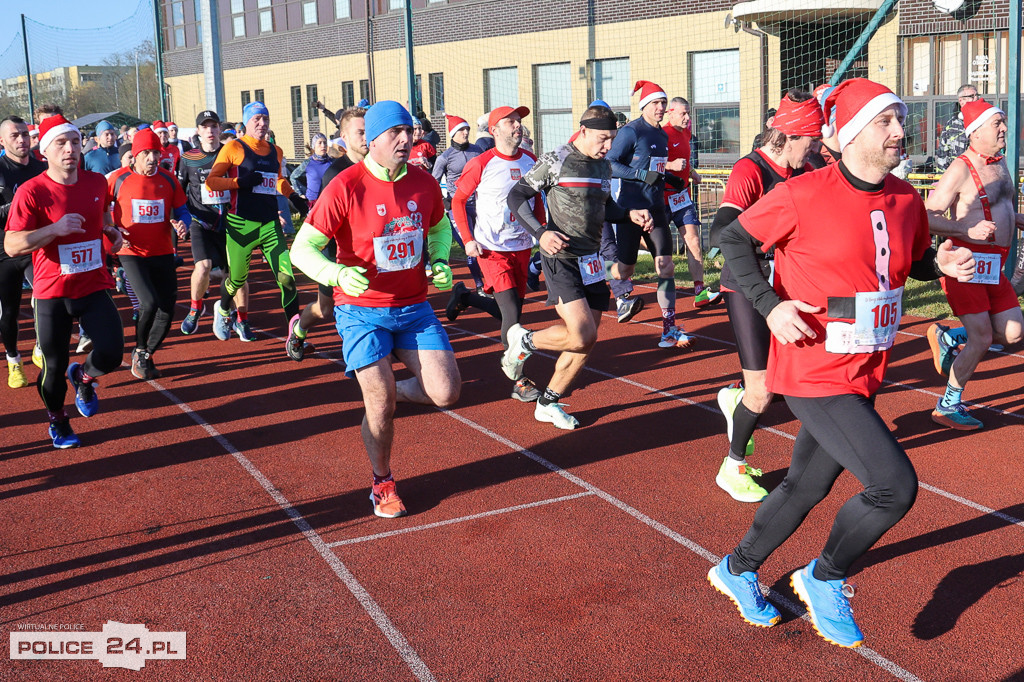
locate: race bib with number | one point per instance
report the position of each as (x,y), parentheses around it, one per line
(214,197)
(80,257)
(679,201)
(877,320)
(400,251)
(268,185)
(658,164)
(987,268)
(592,269)
(147,211)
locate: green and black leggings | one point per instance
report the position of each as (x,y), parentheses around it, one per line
(243,236)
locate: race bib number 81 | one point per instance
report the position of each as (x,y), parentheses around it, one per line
(395,252)
(987,267)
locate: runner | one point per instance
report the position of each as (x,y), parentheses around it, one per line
(352,125)
(208,209)
(978,191)
(577,180)
(251,168)
(170,154)
(17,166)
(846,238)
(423,153)
(307,178)
(499,243)
(484,139)
(58,216)
(172,139)
(787,144)
(449,166)
(381,211)
(104,158)
(148,204)
(638,158)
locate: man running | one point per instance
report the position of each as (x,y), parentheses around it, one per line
(447,171)
(786,144)
(17,166)
(978,189)
(252,169)
(498,241)
(170,154)
(638,156)
(352,124)
(209,210)
(846,238)
(104,157)
(382,213)
(148,205)
(58,216)
(172,138)
(577,180)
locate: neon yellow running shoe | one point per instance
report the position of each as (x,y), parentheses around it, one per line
(737,480)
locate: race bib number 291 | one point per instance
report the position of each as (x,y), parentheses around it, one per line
(401,251)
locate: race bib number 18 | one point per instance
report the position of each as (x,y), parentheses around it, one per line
(401,251)
(987,267)
(80,257)
(592,269)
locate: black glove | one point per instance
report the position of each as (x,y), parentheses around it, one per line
(300,204)
(447,203)
(249,180)
(676,181)
(648,176)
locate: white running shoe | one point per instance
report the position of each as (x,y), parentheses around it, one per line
(676,338)
(515,357)
(554,414)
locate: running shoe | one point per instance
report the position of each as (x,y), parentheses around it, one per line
(955,417)
(62,435)
(191,322)
(943,354)
(37,356)
(525,391)
(84,342)
(16,375)
(243,330)
(386,502)
(728,398)
(86,399)
(294,346)
(119,282)
(627,307)
(515,356)
(554,414)
(142,367)
(455,305)
(828,605)
(737,480)
(221,322)
(706,297)
(135,314)
(676,338)
(745,592)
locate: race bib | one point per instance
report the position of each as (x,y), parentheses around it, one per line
(679,201)
(592,269)
(878,317)
(147,210)
(80,257)
(213,197)
(268,185)
(987,268)
(658,164)
(400,251)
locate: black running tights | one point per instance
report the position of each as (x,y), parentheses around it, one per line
(155,283)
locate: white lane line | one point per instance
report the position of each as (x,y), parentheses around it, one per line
(372,608)
(981,406)
(460,519)
(973,505)
(867,653)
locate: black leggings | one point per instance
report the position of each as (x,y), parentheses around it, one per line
(505,306)
(156,285)
(753,338)
(12,273)
(836,433)
(54,319)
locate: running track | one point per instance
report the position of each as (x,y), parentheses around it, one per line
(229,500)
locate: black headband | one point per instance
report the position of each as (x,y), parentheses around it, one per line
(599,123)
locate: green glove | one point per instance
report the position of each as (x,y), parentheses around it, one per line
(351,280)
(442,275)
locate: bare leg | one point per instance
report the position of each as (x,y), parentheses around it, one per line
(436,379)
(756,396)
(575,338)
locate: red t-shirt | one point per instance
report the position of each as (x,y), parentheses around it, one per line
(678,148)
(144,206)
(823,230)
(421,154)
(369,219)
(73,266)
(746,185)
(169,157)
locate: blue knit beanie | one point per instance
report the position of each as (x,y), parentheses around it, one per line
(384,115)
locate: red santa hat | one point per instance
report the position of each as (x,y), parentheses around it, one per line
(977,112)
(855,102)
(455,123)
(159,126)
(649,92)
(53,127)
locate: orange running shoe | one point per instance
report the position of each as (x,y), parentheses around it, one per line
(386,502)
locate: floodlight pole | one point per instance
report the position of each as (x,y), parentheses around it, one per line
(1013,120)
(28,70)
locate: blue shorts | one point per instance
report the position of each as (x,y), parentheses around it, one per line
(686,216)
(370,334)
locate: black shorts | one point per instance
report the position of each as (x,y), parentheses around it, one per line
(208,245)
(658,240)
(565,283)
(331,251)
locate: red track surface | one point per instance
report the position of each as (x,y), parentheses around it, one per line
(229,500)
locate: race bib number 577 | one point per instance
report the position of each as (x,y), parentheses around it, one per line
(80,257)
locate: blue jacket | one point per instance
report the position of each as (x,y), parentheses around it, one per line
(101,160)
(635,145)
(307,179)
(451,163)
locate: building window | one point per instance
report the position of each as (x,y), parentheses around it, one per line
(311,99)
(501,87)
(266,16)
(238,18)
(342,9)
(552,87)
(178,22)
(245,98)
(296,103)
(309,13)
(396,4)
(715,98)
(417,106)
(364,89)
(197,8)
(348,94)
(435,81)
(609,81)
(259,96)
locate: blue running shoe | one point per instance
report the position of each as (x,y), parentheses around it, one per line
(62,435)
(745,592)
(86,399)
(828,604)
(222,322)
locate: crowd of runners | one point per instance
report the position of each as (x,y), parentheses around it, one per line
(819,239)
